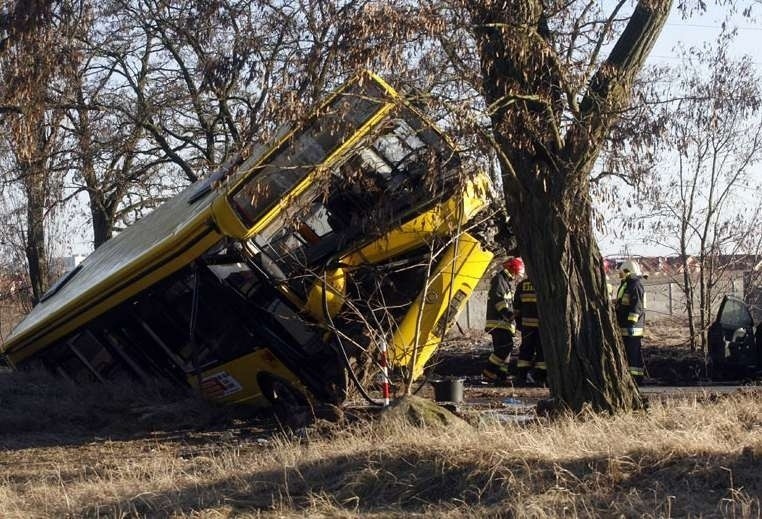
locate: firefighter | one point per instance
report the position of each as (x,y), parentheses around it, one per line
(531,364)
(500,323)
(631,315)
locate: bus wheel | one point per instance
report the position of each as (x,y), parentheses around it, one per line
(290,405)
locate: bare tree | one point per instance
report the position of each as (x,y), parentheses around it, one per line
(31,63)
(712,140)
(167,93)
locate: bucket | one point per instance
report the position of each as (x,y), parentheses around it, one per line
(448,390)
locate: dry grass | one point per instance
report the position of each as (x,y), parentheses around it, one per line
(696,457)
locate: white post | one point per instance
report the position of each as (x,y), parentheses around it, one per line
(385,384)
(670,298)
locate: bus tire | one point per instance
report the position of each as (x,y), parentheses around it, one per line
(290,406)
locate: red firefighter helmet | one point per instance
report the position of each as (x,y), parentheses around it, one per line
(515,266)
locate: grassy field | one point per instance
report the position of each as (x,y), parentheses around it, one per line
(118,451)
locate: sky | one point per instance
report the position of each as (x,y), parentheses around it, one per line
(691,32)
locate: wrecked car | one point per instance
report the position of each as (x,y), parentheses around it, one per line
(735,352)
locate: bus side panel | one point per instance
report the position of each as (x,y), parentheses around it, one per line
(453,281)
(235,382)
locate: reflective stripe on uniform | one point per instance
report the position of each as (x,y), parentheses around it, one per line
(528,298)
(524,363)
(503,325)
(632,316)
(489,374)
(631,332)
(497,361)
(501,305)
(531,322)
(540,365)
(637,372)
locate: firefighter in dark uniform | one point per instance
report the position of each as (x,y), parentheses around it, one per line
(530,351)
(631,315)
(499,322)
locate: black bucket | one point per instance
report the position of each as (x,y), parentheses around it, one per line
(448,390)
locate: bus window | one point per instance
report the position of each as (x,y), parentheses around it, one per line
(303,152)
(399,146)
(358,199)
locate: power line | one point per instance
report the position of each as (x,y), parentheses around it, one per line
(680,58)
(717,26)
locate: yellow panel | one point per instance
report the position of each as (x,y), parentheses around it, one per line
(235,382)
(336,284)
(462,266)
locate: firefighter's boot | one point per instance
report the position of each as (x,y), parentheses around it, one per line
(496,371)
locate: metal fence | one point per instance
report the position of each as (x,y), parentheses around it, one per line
(664,298)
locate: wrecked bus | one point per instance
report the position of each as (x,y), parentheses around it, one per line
(277,273)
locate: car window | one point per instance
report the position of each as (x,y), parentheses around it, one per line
(735,314)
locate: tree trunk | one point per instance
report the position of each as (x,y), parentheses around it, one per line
(103,223)
(102,217)
(703,324)
(688,292)
(687,210)
(35,238)
(583,351)
(546,166)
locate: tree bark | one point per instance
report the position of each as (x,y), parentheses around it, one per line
(103,223)
(35,238)
(546,186)
(583,351)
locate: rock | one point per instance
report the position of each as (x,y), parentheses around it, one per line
(421,412)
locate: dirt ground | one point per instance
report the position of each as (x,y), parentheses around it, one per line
(666,354)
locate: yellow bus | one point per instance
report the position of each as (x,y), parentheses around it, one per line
(349,232)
